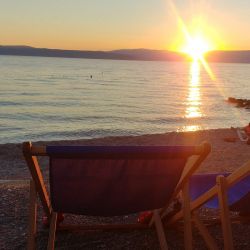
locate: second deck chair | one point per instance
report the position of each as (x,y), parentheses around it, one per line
(111,181)
(226,192)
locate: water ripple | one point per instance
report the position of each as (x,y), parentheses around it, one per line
(55,98)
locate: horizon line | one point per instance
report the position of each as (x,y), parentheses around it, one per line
(100,50)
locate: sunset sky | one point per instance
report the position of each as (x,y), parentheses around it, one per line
(115,24)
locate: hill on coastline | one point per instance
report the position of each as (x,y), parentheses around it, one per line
(126,54)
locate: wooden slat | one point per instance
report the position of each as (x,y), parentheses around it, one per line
(191,166)
(224,212)
(204,233)
(52,231)
(239,174)
(160,230)
(188,167)
(37,177)
(188,237)
(32,217)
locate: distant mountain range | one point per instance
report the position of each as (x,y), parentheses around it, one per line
(241,56)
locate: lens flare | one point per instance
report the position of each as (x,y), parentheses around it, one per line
(196,47)
(195,43)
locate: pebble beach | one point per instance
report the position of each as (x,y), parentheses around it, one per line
(228,153)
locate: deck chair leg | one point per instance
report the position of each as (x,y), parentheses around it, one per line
(224,212)
(204,233)
(52,231)
(187,218)
(32,217)
(160,230)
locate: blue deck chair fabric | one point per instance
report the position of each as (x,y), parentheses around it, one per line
(108,181)
(238,194)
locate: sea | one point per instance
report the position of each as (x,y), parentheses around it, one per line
(43,98)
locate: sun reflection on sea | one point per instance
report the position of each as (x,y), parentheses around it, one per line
(193,102)
(194,99)
(190,128)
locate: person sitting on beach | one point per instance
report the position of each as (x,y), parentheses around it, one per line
(247,129)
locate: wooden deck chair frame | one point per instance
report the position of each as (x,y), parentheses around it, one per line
(37,188)
(220,189)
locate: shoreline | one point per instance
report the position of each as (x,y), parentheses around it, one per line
(224,157)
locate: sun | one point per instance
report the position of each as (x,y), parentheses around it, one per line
(196,47)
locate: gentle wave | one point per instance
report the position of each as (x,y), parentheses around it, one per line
(57,98)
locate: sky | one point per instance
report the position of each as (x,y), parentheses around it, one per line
(124,24)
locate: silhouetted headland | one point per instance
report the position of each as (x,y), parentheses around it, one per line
(126,54)
(136,54)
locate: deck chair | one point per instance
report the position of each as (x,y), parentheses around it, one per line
(226,192)
(111,181)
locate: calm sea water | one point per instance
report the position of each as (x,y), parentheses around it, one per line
(61,98)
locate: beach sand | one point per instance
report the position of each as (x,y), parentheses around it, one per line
(224,157)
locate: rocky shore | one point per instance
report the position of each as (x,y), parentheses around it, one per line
(240,103)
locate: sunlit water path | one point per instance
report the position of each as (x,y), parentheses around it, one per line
(56,98)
